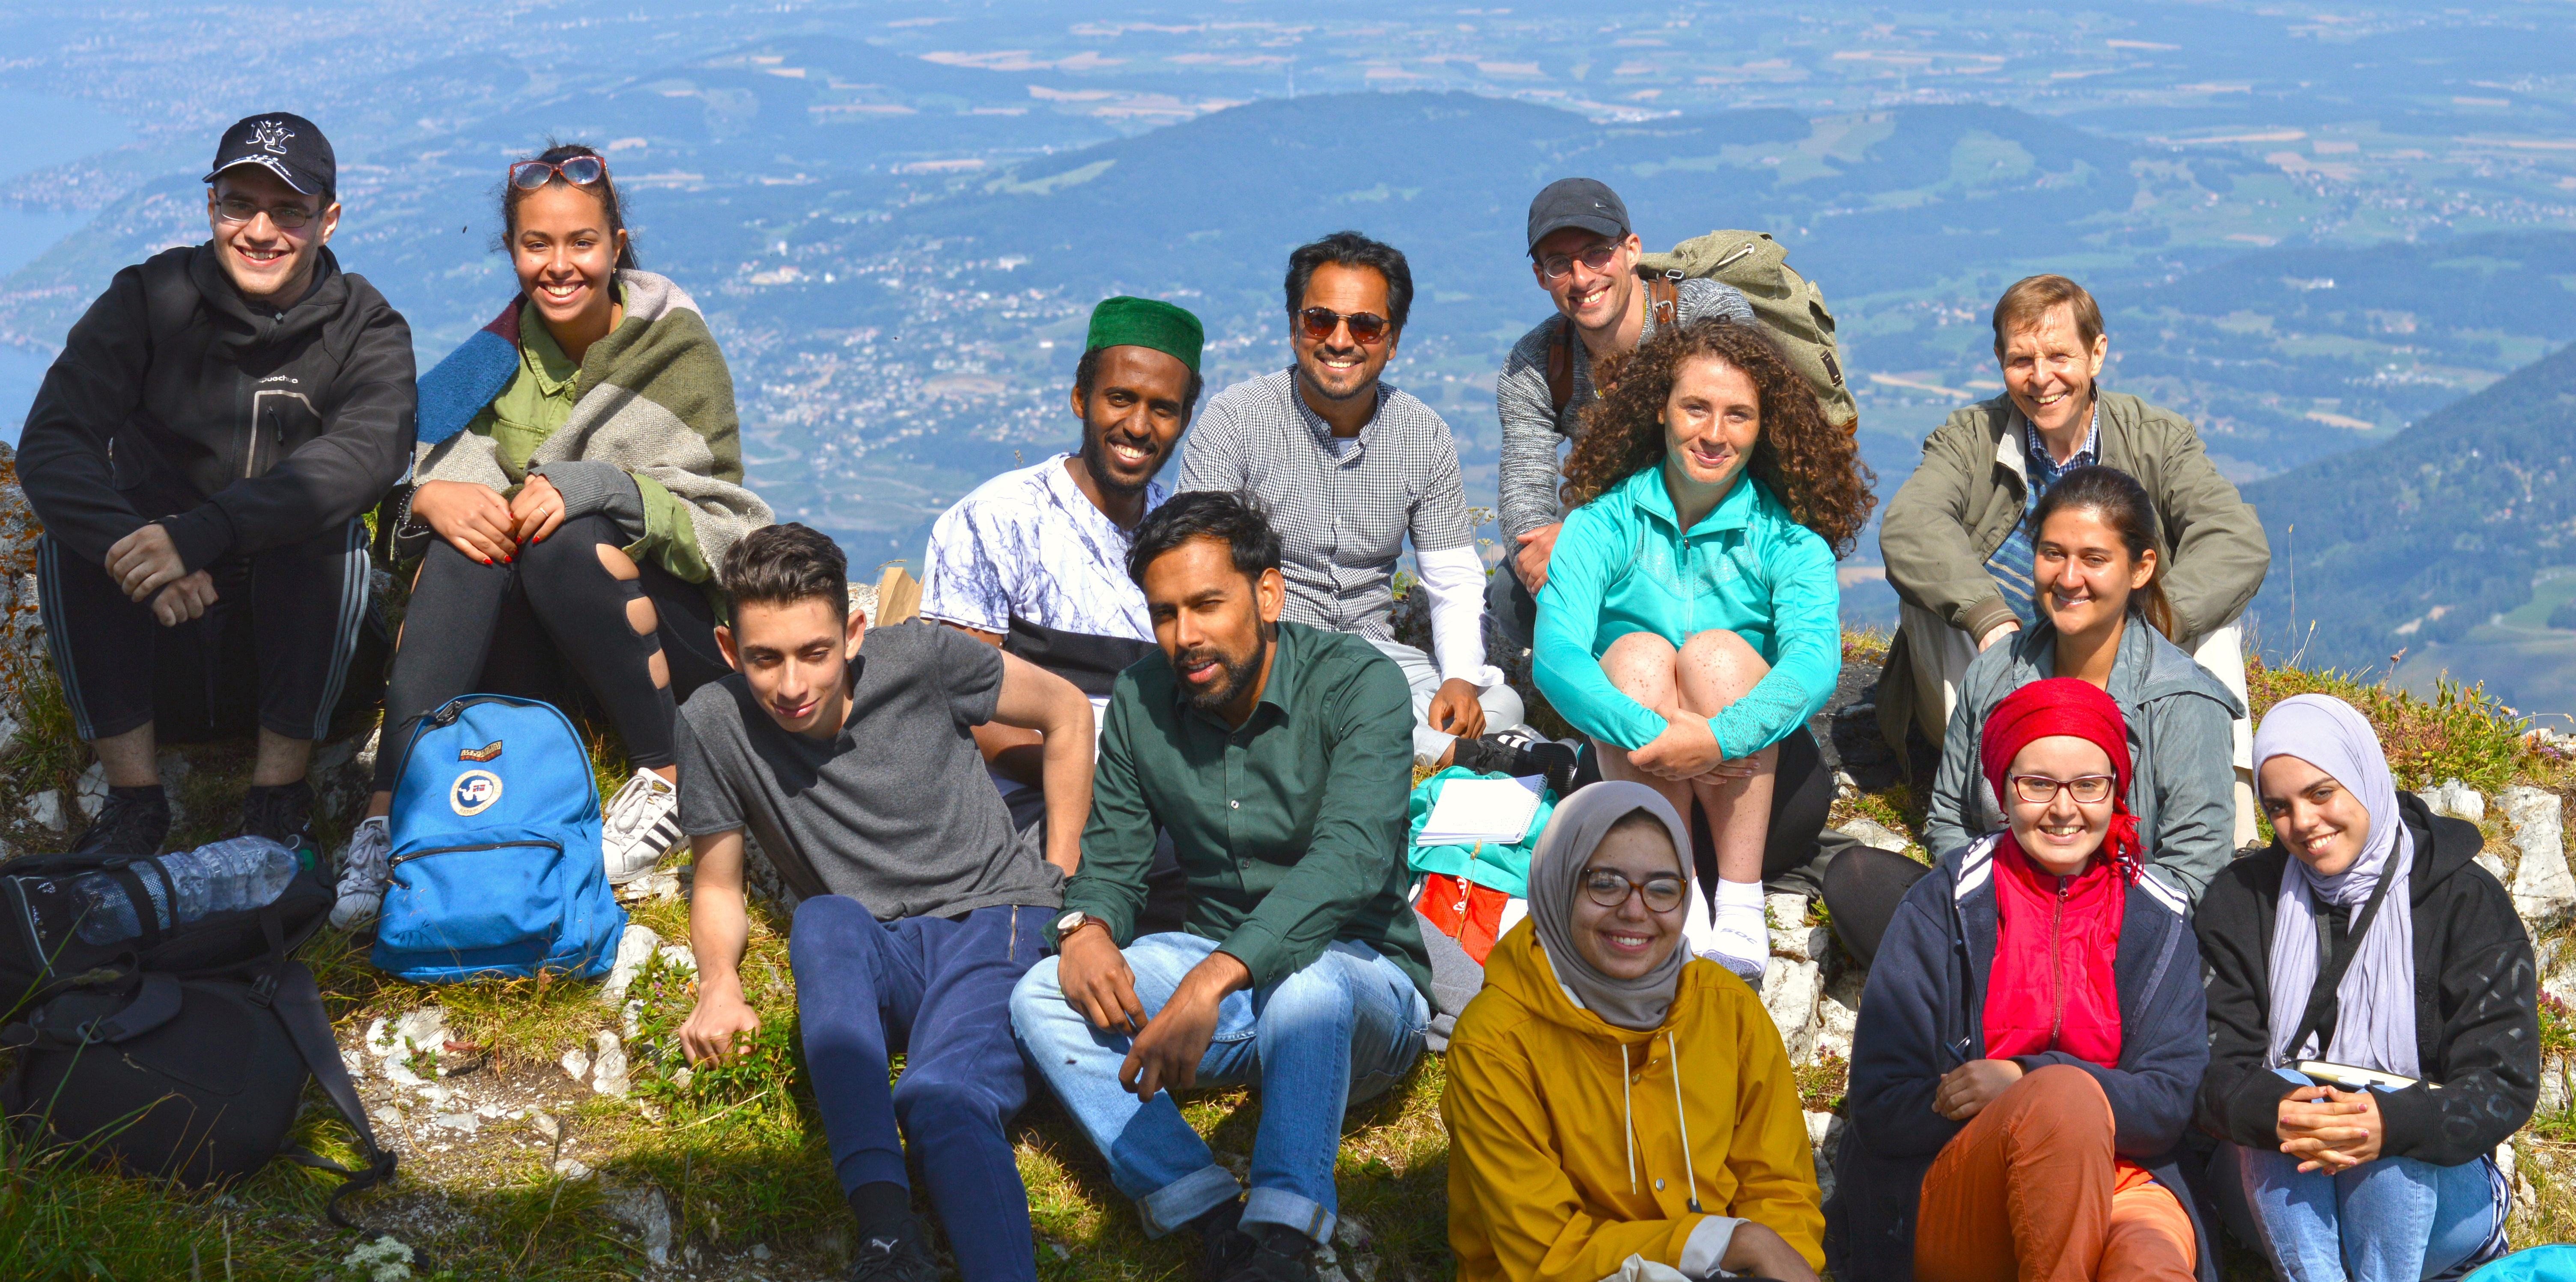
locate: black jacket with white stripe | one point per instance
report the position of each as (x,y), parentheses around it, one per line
(237,427)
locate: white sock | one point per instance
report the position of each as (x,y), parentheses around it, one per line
(1743,932)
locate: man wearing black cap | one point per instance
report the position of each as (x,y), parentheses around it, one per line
(1584,255)
(199,455)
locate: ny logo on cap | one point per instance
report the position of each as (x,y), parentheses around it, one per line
(270,136)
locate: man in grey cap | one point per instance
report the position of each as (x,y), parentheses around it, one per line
(199,455)
(1584,254)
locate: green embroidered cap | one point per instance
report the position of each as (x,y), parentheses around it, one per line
(1146,322)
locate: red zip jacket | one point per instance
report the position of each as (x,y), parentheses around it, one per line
(2055,941)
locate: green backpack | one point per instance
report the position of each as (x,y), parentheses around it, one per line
(1790,307)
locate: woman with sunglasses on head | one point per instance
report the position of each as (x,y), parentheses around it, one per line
(1582,1131)
(2366,937)
(2031,1035)
(579,473)
(1691,622)
(2103,619)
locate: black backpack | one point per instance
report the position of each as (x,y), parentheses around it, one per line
(182,1053)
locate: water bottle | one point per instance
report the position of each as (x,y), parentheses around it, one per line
(226,876)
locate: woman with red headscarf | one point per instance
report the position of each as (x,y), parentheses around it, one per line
(2031,1035)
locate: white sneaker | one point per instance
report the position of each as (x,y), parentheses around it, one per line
(364,872)
(641,826)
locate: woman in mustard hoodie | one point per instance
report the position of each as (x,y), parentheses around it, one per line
(1578,1139)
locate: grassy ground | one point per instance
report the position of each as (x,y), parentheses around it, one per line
(738,1151)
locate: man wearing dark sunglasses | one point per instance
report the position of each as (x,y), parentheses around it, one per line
(199,455)
(1584,255)
(1349,468)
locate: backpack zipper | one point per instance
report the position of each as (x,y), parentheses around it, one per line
(399,860)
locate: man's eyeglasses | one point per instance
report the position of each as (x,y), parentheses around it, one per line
(2039,790)
(580,171)
(1610,889)
(1596,259)
(240,209)
(1367,328)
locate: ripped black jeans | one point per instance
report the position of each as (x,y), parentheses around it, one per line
(554,624)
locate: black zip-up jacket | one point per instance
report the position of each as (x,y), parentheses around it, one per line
(2477,1011)
(237,427)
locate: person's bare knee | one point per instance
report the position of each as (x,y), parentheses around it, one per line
(640,616)
(1715,668)
(1640,664)
(660,668)
(619,565)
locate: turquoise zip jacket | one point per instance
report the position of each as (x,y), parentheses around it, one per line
(1623,564)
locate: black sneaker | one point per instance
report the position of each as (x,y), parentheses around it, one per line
(132,821)
(1520,753)
(1279,1254)
(894,1259)
(283,813)
(1223,1245)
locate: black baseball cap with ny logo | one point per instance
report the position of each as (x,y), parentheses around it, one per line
(284,144)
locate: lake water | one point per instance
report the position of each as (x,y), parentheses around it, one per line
(44,130)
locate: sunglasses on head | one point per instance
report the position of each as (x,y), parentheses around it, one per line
(1367,328)
(580,171)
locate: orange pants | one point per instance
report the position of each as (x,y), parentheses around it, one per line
(2032,1190)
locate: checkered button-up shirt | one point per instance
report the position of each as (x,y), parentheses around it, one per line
(1342,517)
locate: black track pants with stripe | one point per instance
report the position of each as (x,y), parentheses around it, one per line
(302,602)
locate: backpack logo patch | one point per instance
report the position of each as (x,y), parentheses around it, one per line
(473,792)
(485,753)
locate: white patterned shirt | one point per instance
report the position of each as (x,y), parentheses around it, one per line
(1029,544)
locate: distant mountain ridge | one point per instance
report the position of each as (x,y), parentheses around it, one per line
(2419,539)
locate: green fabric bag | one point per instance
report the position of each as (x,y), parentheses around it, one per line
(1489,864)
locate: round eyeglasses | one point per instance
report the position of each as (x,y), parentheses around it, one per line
(1610,889)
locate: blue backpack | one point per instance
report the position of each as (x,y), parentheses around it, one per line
(496,863)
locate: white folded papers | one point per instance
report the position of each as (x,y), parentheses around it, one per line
(1474,810)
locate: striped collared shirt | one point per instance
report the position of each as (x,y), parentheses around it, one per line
(1342,509)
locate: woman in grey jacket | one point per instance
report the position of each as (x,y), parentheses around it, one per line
(2104,619)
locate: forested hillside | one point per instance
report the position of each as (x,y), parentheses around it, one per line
(2418,540)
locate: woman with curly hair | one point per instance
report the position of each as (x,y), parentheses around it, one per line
(1691,623)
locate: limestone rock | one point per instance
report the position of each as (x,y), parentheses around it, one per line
(576,1064)
(1870,832)
(644,1210)
(45,809)
(91,792)
(608,1064)
(1789,992)
(2542,886)
(1824,1137)
(2457,800)
(1838,1014)
(633,947)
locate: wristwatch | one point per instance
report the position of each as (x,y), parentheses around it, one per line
(1073,921)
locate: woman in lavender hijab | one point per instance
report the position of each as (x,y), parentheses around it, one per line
(2366,938)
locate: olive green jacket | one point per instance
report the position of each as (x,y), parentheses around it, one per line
(1969,492)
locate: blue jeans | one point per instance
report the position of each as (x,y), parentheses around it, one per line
(2391,1220)
(935,989)
(1340,1031)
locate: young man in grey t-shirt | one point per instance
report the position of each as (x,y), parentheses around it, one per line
(920,905)
(1584,254)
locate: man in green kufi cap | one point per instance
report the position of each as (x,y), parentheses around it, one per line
(1035,560)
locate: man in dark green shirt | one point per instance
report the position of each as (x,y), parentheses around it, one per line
(1278,757)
